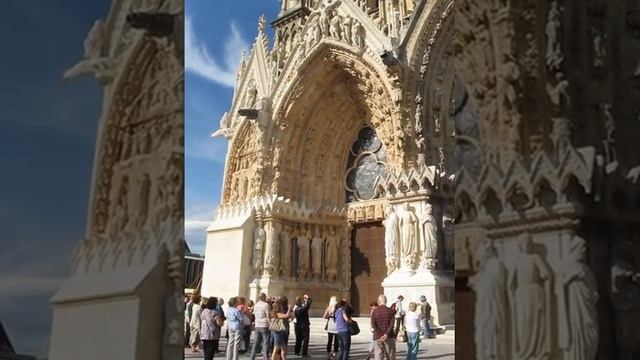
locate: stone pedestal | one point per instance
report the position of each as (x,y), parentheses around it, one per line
(413,284)
(227,267)
(122,306)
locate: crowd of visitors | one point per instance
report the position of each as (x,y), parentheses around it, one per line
(270,318)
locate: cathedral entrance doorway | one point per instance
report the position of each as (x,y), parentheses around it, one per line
(367,265)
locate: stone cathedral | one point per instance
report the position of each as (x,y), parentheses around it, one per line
(338,179)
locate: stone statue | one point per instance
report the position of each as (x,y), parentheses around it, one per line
(347,25)
(491,307)
(391,236)
(332,255)
(577,298)
(529,286)
(317,244)
(94,63)
(94,42)
(285,240)
(259,237)
(358,34)
(558,92)
(552,30)
(599,51)
(429,245)
(271,254)
(409,231)
(302,244)
(335,25)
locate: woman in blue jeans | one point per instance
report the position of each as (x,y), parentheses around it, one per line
(412,325)
(343,317)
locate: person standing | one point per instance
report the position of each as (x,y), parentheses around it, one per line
(280,315)
(332,332)
(382,319)
(302,325)
(196,309)
(261,314)
(399,316)
(188,302)
(209,329)
(370,354)
(234,326)
(425,309)
(412,322)
(343,318)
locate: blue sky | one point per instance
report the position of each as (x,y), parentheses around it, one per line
(216,32)
(47,138)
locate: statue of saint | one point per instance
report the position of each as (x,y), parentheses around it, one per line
(302,244)
(391,236)
(530,287)
(285,240)
(491,307)
(408,226)
(577,296)
(271,250)
(332,255)
(317,244)
(429,234)
(259,237)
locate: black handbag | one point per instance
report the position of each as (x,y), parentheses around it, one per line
(354,329)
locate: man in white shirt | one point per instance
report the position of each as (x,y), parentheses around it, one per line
(261,313)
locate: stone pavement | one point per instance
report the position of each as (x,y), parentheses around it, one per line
(440,348)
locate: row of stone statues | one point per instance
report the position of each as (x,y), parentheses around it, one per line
(409,237)
(524,297)
(328,23)
(289,251)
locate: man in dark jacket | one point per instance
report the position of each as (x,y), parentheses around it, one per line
(302,325)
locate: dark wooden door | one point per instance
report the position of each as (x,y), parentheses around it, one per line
(367,265)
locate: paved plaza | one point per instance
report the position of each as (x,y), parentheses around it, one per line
(441,348)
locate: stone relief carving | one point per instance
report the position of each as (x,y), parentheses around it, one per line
(259,237)
(530,288)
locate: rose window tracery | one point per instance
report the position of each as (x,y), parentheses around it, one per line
(367,161)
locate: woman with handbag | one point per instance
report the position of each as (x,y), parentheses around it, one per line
(210,328)
(330,327)
(279,327)
(345,327)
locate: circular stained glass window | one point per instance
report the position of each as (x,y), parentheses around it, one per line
(367,161)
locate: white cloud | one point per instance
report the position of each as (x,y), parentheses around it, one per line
(197,218)
(198,60)
(208,149)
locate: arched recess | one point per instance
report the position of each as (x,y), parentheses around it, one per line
(243,178)
(431,61)
(138,123)
(335,94)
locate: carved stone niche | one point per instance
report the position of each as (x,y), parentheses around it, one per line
(366,211)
